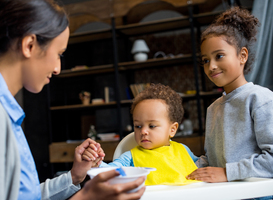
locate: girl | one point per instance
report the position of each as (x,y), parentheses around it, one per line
(33,36)
(239,131)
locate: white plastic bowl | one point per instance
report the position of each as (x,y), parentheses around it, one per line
(132,173)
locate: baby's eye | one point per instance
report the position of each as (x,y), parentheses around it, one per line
(152,126)
(136,126)
(61,55)
(219,56)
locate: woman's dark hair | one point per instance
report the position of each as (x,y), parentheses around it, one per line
(165,93)
(19,18)
(238,27)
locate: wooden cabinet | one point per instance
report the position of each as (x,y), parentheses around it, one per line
(64,151)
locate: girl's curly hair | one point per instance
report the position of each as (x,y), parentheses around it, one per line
(239,29)
(165,93)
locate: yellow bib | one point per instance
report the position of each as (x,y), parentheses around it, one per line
(172,163)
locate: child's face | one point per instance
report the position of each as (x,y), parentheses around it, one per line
(152,125)
(222,65)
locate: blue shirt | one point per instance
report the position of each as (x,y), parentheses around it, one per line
(29,181)
(126,159)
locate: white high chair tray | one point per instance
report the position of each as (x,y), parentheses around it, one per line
(249,188)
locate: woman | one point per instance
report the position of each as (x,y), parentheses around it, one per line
(33,36)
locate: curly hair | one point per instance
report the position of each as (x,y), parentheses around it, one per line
(165,93)
(239,29)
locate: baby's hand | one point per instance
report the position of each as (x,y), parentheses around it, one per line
(94,153)
(101,155)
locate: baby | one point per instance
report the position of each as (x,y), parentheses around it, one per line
(157,112)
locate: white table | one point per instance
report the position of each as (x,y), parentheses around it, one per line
(249,188)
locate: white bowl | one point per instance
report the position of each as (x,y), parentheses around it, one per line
(132,173)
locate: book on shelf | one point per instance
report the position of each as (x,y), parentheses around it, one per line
(139,87)
(106,94)
(128,93)
(109,94)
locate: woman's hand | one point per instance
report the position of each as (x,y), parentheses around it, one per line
(81,166)
(99,188)
(94,154)
(209,174)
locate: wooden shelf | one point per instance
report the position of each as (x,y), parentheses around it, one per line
(82,72)
(145,27)
(202,94)
(166,24)
(123,102)
(90,36)
(154,26)
(81,106)
(156,62)
(132,65)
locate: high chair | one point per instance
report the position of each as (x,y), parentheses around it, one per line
(126,144)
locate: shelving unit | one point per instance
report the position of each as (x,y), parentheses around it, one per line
(131,65)
(193,20)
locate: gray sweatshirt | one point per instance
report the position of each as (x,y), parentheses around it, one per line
(239,133)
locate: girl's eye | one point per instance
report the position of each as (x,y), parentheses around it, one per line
(219,56)
(205,61)
(61,55)
(152,126)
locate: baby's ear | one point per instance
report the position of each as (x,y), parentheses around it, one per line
(174,128)
(243,56)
